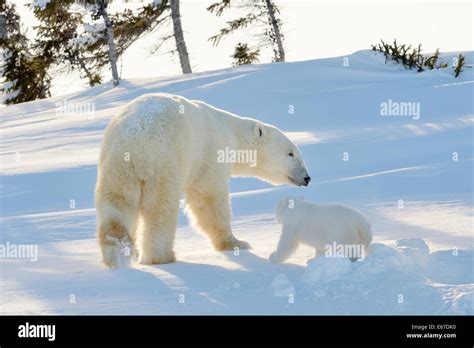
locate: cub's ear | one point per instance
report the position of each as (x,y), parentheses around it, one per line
(260,130)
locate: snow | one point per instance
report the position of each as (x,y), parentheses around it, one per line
(324,269)
(281,286)
(412,178)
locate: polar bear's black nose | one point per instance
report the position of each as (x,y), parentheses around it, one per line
(307,180)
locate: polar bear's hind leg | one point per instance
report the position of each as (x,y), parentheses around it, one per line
(159,210)
(114,229)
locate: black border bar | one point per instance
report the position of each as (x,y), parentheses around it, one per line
(222,330)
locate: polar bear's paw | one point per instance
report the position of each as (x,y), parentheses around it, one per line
(275,258)
(148,259)
(110,255)
(117,253)
(308,261)
(241,244)
(232,244)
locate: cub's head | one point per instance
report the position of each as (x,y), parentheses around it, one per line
(285,204)
(278,159)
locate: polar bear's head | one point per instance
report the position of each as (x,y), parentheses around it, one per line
(278,159)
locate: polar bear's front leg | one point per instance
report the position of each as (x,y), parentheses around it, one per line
(286,246)
(317,253)
(212,214)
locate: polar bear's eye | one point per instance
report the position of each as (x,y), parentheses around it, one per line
(291,154)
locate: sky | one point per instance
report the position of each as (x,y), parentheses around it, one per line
(312,28)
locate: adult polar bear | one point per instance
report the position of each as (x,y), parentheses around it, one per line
(163,145)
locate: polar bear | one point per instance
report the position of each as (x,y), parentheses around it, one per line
(334,230)
(161,146)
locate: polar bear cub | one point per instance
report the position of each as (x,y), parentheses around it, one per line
(333,230)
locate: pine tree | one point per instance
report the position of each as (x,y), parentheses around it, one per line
(173,15)
(128,26)
(73,34)
(24,72)
(102,12)
(274,32)
(261,13)
(3,21)
(121,31)
(179,37)
(76,32)
(59,33)
(243,55)
(99,10)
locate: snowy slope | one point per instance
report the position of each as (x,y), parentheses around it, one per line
(400,172)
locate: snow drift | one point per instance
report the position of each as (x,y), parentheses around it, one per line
(411,176)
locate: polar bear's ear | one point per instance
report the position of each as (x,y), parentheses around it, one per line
(259,129)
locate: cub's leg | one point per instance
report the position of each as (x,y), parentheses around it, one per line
(286,246)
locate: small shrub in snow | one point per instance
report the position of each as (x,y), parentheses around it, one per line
(430,62)
(413,58)
(459,65)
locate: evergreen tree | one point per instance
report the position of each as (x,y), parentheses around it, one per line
(129,26)
(3,21)
(59,33)
(24,72)
(179,37)
(77,33)
(243,55)
(261,13)
(108,35)
(173,15)
(73,34)
(99,11)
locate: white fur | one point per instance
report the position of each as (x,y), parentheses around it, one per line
(161,146)
(319,226)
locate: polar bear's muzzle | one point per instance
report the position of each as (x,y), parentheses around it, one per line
(302,182)
(307,179)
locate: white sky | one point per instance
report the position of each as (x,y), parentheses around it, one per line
(313,29)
